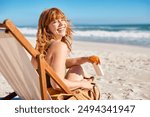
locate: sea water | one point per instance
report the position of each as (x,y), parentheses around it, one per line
(131,34)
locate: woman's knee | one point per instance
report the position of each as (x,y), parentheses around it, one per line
(75,73)
(76,69)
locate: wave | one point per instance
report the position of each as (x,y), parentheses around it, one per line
(96,33)
(127,36)
(114,34)
(134,27)
(28,31)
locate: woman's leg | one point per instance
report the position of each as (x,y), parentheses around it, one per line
(75,73)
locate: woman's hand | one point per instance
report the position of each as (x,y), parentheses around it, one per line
(94,59)
(86,84)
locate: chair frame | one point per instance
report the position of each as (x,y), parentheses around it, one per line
(43,66)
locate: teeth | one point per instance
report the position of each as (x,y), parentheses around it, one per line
(60,29)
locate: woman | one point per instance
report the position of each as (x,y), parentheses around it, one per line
(54,40)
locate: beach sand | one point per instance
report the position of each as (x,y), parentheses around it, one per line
(126,69)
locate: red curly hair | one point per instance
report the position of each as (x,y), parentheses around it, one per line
(44,35)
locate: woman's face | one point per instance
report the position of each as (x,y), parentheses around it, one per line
(58,27)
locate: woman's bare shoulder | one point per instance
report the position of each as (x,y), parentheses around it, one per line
(58,46)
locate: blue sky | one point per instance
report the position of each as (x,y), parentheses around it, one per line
(27,12)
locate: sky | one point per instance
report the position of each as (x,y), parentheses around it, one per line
(27,12)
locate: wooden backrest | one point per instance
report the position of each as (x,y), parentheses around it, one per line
(43,65)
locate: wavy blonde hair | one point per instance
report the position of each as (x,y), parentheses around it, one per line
(44,35)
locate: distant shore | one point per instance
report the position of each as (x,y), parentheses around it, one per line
(126,69)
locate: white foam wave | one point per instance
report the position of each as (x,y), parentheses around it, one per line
(98,33)
(28,31)
(113,34)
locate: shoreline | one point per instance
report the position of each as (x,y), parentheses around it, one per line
(112,45)
(126,69)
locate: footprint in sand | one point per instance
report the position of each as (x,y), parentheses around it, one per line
(107,96)
(127,92)
(121,81)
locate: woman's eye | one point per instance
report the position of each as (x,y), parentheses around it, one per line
(63,20)
(58,21)
(55,21)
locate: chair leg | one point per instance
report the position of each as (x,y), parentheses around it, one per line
(10,96)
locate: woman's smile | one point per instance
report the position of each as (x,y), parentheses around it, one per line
(58,28)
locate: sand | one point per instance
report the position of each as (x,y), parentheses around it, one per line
(126,69)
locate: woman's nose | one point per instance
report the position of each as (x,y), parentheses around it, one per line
(60,22)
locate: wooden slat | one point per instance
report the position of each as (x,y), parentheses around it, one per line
(20,37)
(2,25)
(10,96)
(42,77)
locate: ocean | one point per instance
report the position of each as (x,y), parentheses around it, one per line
(135,34)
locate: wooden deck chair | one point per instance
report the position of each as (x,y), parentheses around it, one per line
(17,69)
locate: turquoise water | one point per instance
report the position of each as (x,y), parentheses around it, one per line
(119,27)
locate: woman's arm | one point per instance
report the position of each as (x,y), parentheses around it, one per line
(81,60)
(76,61)
(34,62)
